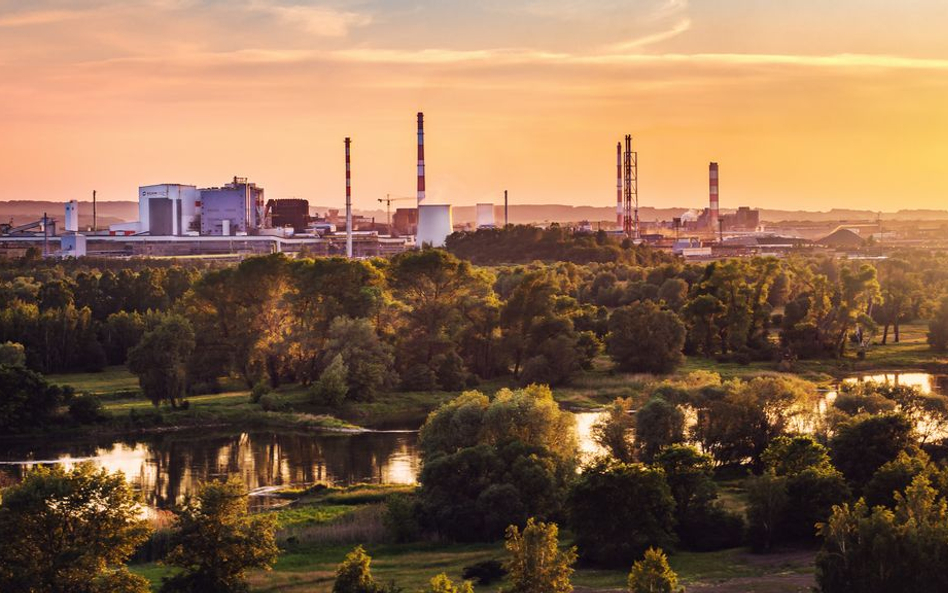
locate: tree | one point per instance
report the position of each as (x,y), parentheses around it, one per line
(886,551)
(618,510)
(368,360)
(938,328)
(332,387)
(492,463)
(12,354)
(353,575)
(737,421)
(813,485)
(863,445)
(658,424)
(161,359)
(614,432)
(27,401)
(216,541)
(645,339)
(766,505)
(535,564)
(70,530)
(652,574)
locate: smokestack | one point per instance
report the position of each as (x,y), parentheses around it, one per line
(713,190)
(619,186)
(421,158)
(348,203)
(94,221)
(506,220)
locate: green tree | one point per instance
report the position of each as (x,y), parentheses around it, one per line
(938,328)
(216,541)
(535,564)
(766,507)
(70,530)
(737,421)
(27,401)
(492,463)
(861,446)
(645,339)
(652,574)
(353,575)
(332,387)
(615,431)
(658,424)
(160,360)
(12,354)
(368,360)
(618,510)
(886,551)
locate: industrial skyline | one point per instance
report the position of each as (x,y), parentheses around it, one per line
(803,104)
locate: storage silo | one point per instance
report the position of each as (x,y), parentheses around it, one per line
(434,224)
(485,216)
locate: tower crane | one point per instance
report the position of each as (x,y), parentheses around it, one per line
(388,199)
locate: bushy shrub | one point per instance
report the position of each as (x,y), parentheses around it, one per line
(272,402)
(331,388)
(86,409)
(259,389)
(484,573)
(401,518)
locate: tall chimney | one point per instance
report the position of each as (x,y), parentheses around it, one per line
(713,214)
(348,203)
(619,207)
(421,158)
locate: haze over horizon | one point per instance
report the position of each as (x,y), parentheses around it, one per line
(807,106)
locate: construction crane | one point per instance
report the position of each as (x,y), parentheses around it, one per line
(388,199)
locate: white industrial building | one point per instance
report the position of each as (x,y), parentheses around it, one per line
(168,208)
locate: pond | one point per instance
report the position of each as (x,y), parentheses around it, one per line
(166,467)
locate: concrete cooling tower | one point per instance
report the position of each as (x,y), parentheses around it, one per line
(434,224)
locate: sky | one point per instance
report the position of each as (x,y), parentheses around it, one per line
(806,105)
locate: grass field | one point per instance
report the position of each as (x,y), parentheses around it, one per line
(308,565)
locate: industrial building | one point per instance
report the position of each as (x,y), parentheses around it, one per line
(167,209)
(236,207)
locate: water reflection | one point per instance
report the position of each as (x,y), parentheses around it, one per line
(166,467)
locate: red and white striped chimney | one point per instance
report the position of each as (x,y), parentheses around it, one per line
(619,206)
(348,203)
(713,189)
(421,158)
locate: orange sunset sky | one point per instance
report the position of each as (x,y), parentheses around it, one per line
(805,105)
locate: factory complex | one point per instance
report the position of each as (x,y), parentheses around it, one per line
(235,218)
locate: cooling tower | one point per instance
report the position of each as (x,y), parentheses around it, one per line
(485,216)
(434,224)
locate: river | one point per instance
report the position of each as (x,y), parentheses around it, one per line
(165,467)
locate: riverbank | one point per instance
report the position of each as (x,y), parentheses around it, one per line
(129,413)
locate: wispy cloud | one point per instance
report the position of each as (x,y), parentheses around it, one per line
(38,17)
(677,29)
(323,21)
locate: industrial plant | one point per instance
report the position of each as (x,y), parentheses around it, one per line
(235,218)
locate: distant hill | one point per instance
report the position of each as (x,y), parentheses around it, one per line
(24,211)
(126,211)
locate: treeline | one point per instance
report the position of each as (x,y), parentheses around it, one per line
(523,244)
(427,320)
